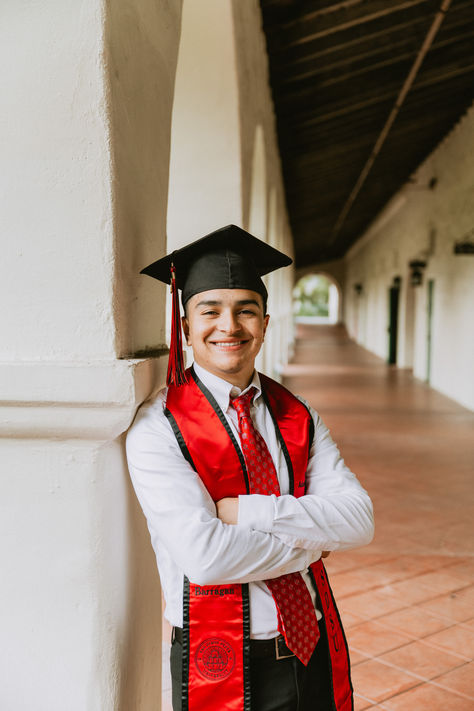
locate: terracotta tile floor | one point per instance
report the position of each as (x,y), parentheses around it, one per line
(407,600)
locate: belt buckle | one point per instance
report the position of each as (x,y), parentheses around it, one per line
(277,649)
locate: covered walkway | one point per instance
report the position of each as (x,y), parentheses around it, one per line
(407,600)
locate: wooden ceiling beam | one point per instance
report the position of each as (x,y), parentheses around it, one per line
(409,81)
(309,117)
(305,16)
(321,70)
(383,10)
(345,46)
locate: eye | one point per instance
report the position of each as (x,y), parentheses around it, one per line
(209,313)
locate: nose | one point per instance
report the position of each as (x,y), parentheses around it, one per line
(228,322)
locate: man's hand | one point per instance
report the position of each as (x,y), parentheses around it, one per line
(228,510)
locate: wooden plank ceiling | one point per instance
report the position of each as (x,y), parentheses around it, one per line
(336,71)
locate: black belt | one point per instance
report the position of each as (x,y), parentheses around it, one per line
(259,648)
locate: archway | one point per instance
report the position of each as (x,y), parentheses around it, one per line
(316,299)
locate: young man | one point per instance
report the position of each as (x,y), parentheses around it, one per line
(243,490)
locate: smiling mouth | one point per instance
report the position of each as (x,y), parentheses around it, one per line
(228,345)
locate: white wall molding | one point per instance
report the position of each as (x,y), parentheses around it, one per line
(93,401)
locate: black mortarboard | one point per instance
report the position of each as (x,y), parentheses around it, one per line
(229,258)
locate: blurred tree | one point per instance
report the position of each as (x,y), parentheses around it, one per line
(311,296)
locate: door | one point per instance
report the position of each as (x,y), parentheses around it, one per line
(429,328)
(393,299)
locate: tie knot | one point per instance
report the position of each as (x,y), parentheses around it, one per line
(242,403)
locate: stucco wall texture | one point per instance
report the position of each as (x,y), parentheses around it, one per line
(423,221)
(87,92)
(89,137)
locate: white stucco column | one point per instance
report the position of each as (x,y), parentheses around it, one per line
(205,177)
(86,92)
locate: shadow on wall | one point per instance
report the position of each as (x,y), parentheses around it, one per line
(140,677)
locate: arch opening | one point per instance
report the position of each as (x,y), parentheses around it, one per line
(316,299)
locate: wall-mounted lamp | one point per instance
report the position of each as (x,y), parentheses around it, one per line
(358,288)
(466,244)
(416,275)
(464,247)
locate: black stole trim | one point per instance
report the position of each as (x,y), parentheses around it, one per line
(322,621)
(185,658)
(179,437)
(246,645)
(244,587)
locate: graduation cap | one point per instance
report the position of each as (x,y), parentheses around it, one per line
(229,258)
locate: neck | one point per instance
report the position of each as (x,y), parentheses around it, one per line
(239,380)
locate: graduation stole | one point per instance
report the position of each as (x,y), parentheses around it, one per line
(216,624)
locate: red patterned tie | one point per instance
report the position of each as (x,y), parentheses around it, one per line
(296,615)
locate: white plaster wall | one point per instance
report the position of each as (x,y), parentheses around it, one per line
(141,55)
(423,223)
(224,157)
(262,177)
(204,180)
(80,619)
(56,217)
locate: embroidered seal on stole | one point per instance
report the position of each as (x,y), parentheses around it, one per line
(215,659)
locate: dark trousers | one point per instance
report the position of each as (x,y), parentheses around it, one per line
(277,684)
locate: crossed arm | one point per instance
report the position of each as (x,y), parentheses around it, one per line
(253,537)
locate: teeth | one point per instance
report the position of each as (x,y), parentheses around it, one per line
(226,344)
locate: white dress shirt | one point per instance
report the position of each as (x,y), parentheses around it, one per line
(274,534)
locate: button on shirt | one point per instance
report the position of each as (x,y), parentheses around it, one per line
(274,535)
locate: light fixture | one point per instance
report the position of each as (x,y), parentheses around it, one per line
(416,276)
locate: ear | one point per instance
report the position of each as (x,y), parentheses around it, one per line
(265,324)
(185,325)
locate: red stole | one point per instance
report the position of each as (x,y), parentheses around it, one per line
(216,617)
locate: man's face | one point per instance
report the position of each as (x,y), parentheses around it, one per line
(225,328)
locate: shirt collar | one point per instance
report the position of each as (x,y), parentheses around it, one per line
(224,391)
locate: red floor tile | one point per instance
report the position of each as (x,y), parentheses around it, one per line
(357,657)
(464,568)
(372,604)
(428,697)
(457,639)
(460,680)
(411,591)
(422,660)
(377,681)
(415,622)
(350,560)
(373,639)
(441,581)
(360,703)
(349,620)
(457,606)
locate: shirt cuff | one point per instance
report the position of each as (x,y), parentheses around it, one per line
(256,511)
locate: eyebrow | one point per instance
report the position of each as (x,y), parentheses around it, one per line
(241,302)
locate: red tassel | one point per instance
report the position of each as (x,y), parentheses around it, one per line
(176,372)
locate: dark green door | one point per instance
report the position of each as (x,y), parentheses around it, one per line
(429,328)
(393,298)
